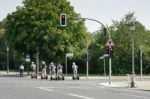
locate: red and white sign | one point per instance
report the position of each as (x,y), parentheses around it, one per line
(110,43)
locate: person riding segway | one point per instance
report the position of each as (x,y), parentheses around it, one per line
(60,72)
(75,71)
(44,73)
(21,69)
(33,68)
(53,71)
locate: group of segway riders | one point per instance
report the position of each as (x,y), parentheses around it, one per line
(55,71)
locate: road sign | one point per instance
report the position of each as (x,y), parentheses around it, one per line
(106,55)
(69,55)
(110,43)
(27,57)
(102,57)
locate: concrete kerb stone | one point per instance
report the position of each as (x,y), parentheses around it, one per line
(115,84)
(140,85)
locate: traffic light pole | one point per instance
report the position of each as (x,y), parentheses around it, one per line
(109,70)
(110,64)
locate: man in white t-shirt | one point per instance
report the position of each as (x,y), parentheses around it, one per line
(75,68)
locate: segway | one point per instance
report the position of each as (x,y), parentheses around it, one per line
(53,76)
(60,76)
(75,76)
(34,75)
(44,75)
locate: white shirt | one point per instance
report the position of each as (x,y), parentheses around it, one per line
(33,66)
(75,67)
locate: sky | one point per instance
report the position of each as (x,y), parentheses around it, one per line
(102,10)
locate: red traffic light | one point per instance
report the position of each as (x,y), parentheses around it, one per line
(110,50)
(63,19)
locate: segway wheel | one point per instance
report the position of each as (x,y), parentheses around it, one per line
(51,78)
(78,77)
(56,78)
(59,78)
(46,77)
(73,78)
(63,78)
(36,76)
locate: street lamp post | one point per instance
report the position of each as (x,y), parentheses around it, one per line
(7,49)
(132,28)
(87,63)
(141,62)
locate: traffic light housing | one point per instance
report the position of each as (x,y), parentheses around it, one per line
(110,50)
(63,19)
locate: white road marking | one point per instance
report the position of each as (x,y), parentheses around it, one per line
(44,88)
(84,97)
(134,95)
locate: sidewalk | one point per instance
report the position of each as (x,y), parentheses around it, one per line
(139,85)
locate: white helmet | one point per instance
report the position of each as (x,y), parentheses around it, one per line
(73,63)
(32,62)
(43,62)
(51,63)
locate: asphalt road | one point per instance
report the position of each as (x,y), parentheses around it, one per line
(26,88)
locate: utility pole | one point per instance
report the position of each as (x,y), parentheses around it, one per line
(141,62)
(7,49)
(87,65)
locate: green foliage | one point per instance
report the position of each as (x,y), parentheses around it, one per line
(122,37)
(36,25)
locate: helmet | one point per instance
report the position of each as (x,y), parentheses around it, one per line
(73,63)
(43,62)
(32,62)
(51,63)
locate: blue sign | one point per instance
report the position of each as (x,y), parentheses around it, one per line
(27,56)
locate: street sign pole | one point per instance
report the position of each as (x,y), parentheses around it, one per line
(104,67)
(66,65)
(87,66)
(110,44)
(109,70)
(141,63)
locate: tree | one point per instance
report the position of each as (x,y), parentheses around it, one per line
(123,37)
(36,26)
(2,46)
(122,57)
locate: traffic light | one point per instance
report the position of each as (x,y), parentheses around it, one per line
(110,50)
(63,19)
